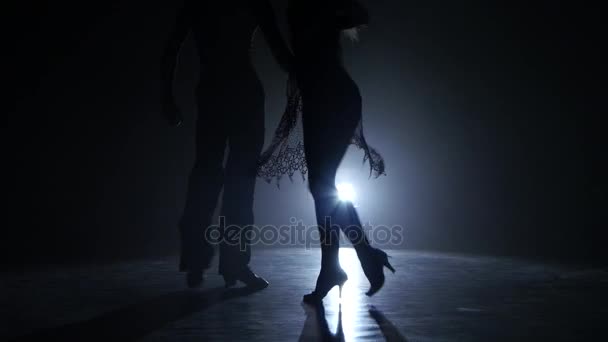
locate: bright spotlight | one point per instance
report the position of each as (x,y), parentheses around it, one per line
(346,192)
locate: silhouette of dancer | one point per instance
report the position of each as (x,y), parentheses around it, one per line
(230,110)
(331,118)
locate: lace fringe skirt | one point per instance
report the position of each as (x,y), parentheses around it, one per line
(286,156)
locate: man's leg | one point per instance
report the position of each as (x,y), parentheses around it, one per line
(246,140)
(205,184)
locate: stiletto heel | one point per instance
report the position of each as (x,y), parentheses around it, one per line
(325,283)
(389,266)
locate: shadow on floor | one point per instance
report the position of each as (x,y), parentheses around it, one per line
(138,320)
(316,327)
(389,330)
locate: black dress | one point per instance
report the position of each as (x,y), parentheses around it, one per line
(286,153)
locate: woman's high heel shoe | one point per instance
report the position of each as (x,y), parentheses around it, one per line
(373,268)
(326,282)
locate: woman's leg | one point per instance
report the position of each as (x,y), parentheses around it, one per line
(328,131)
(345,215)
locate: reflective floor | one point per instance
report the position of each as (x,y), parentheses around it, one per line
(432,297)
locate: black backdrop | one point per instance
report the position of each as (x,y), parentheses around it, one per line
(489,115)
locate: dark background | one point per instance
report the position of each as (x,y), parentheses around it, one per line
(487,113)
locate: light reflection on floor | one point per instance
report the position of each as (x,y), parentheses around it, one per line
(432,297)
(352,302)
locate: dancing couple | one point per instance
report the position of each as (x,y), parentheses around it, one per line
(230,100)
